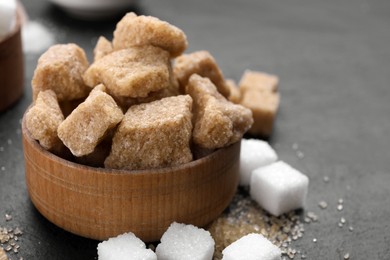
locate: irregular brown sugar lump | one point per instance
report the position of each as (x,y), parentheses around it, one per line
(264,106)
(153,135)
(218,122)
(203,64)
(259,80)
(259,93)
(87,125)
(133,72)
(102,48)
(235,94)
(43,119)
(60,69)
(135,30)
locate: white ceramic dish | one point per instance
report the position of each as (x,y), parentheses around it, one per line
(93,9)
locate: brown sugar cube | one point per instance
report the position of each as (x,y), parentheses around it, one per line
(218,122)
(88,124)
(43,119)
(259,80)
(235,94)
(203,64)
(60,69)
(102,48)
(133,72)
(264,106)
(153,135)
(99,154)
(171,90)
(135,30)
(126,102)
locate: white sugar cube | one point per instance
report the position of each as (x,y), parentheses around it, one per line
(254,154)
(124,247)
(7,16)
(182,242)
(279,188)
(252,247)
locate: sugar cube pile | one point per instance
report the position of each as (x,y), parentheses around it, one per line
(182,242)
(252,247)
(7,16)
(279,188)
(254,154)
(124,247)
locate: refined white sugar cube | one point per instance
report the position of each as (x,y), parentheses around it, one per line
(279,188)
(252,247)
(254,154)
(124,247)
(7,16)
(185,242)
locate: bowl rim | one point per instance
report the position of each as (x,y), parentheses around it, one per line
(100,170)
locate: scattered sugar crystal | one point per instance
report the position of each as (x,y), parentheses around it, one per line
(124,247)
(60,69)
(133,30)
(89,123)
(203,64)
(185,242)
(322,204)
(252,247)
(279,188)
(254,154)
(218,122)
(153,135)
(133,72)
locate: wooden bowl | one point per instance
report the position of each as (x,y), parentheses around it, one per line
(11,65)
(101,203)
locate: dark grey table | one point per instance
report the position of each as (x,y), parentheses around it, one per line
(333,59)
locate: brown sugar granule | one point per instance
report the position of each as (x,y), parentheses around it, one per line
(153,135)
(132,72)
(135,30)
(259,80)
(235,94)
(3,255)
(102,48)
(87,125)
(218,122)
(60,69)
(264,106)
(203,64)
(43,119)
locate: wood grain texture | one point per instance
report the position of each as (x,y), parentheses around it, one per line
(11,67)
(100,203)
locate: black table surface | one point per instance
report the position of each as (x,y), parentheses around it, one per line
(333,60)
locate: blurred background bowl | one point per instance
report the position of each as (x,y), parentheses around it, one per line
(100,203)
(11,65)
(93,9)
